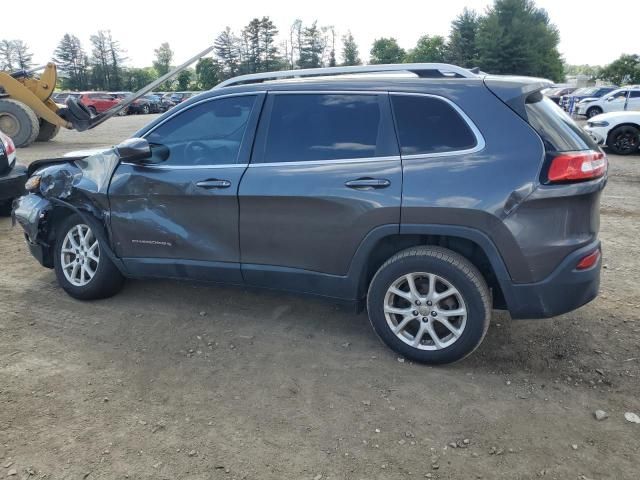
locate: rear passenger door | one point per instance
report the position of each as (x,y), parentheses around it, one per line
(325,171)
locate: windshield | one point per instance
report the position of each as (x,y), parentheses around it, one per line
(587,91)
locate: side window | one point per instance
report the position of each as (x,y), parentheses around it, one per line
(634,94)
(209,133)
(429,125)
(307,127)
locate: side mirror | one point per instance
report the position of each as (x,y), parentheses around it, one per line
(134,150)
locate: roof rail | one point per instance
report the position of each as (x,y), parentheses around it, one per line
(423,70)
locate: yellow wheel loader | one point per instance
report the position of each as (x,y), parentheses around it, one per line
(28,114)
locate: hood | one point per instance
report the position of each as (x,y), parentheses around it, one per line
(588,99)
(623,115)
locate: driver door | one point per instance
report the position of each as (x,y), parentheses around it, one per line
(179,218)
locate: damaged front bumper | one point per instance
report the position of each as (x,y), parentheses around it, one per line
(30,211)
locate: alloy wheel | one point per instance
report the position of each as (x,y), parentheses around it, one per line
(80,255)
(425,311)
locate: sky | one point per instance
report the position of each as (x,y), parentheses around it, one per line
(594,35)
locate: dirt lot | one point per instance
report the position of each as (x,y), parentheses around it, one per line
(175,380)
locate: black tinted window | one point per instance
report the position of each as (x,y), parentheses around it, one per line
(429,125)
(209,133)
(305,127)
(634,94)
(558,131)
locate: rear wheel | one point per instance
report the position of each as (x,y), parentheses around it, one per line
(47,131)
(145,109)
(93,110)
(624,140)
(82,268)
(593,111)
(19,122)
(430,305)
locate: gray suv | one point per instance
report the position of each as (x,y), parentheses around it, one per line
(426,192)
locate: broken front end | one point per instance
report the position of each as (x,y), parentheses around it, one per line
(61,187)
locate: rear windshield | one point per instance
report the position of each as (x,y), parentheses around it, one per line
(558,131)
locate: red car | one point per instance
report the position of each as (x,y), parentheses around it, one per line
(99,102)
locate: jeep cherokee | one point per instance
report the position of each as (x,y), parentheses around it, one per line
(429,193)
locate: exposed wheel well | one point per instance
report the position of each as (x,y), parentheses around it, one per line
(49,232)
(392,244)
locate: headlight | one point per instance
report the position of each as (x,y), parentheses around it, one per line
(33,183)
(600,123)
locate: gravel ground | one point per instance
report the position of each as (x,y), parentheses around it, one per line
(176,380)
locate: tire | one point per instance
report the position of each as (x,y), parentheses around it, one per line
(106,280)
(624,140)
(593,111)
(48,131)
(447,271)
(145,109)
(19,122)
(93,110)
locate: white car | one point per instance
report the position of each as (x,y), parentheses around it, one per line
(619,131)
(622,99)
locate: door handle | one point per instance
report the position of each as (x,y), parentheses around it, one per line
(214,183)
(368,183)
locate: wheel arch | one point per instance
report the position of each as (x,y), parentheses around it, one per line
(62,210)
(468,242)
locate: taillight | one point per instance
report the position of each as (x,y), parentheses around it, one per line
(588,261)
(577,166)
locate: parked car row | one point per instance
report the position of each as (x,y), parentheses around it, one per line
(591,101)
(98,102)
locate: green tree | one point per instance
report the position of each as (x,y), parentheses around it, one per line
(428,49)
(7,55)
(23,57)
(164,57)
(386,50)
(350,53)
(270,58)
(462,46)
(72,61)
(626,69)
(209,73)
(311,48)
(100,62)
(251,47)
(184,79)
(136,78)
(516,37)
(227,50)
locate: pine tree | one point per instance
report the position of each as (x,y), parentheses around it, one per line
(270,57)
(311,47)
(227,50)
(350,54)
(462,48)
(71,60)
(516,37)
(23,57)
(252,47)
(7,55)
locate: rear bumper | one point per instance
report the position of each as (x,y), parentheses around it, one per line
(563,291)
(12,184)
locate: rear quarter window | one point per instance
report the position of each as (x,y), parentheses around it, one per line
(428,125)
(558,131)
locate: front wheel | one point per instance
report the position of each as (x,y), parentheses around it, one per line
(82,267)
(430,305)
(593,111)
(624,140)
